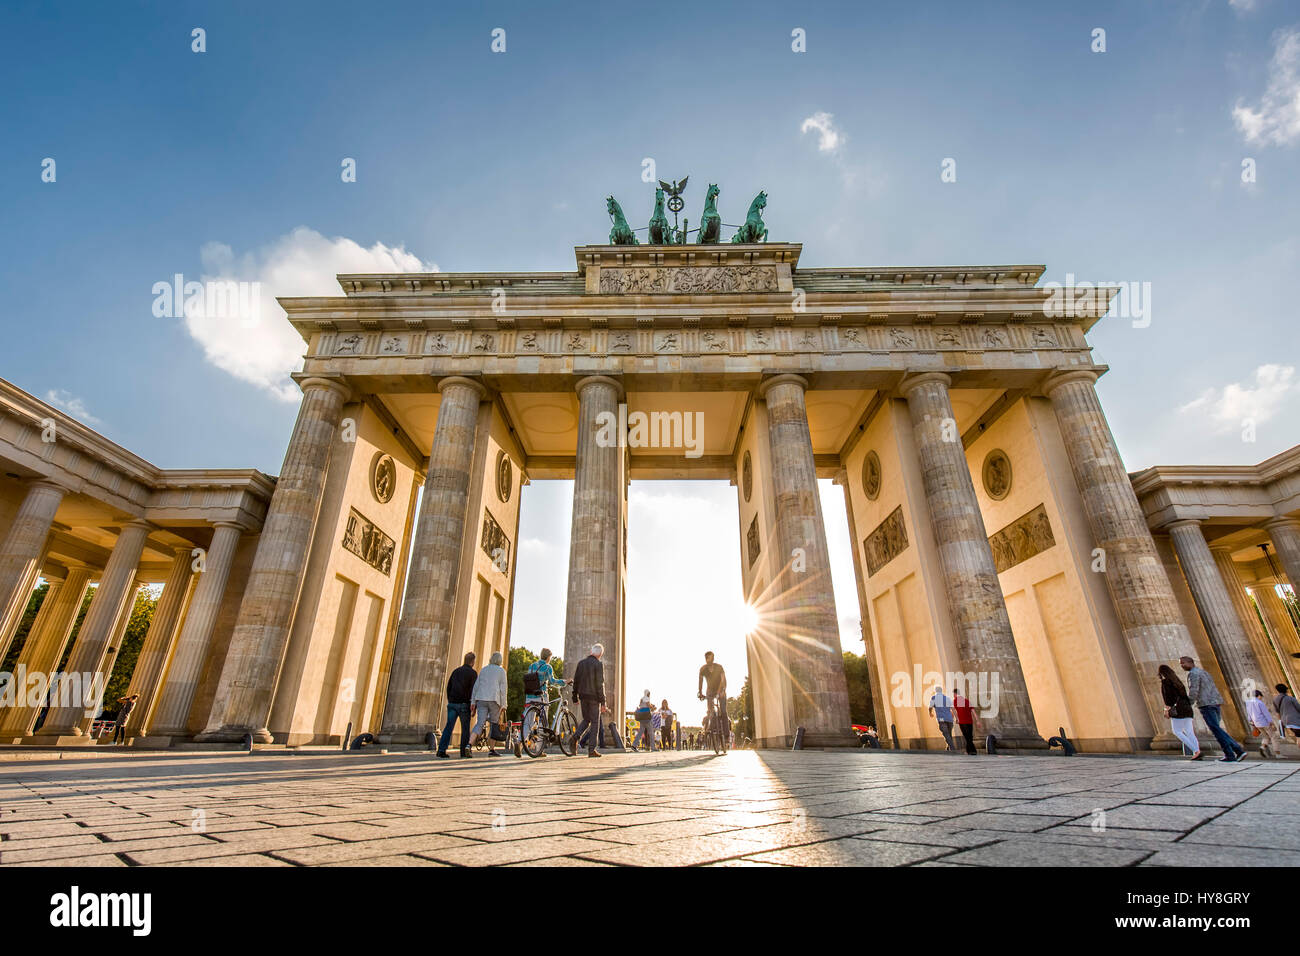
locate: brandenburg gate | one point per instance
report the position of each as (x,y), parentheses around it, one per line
(977,466)
(996,533)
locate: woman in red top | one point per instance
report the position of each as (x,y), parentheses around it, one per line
(965,719)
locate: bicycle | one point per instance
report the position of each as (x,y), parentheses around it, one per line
(536,733)
(716,731)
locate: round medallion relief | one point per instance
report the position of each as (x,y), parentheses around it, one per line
(383,478)
(505,476)
(997,474)
(871,475)
(747,477)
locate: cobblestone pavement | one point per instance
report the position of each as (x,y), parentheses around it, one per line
(769,808)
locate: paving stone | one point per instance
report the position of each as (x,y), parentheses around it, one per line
(1200,854)
(669,809)
(851,852)
(688,851)
(515,851)
(367,849)
(1019,852)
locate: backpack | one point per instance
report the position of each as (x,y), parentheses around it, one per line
(644,713)
(532,683)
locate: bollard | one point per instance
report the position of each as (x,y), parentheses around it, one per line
(431,740)
(248,743)
(798,739)
(991,745)
(893,733)
(347,735)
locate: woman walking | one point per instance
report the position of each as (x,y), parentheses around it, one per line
(489,697)
(1288,708)
(1261,724)
(1178,706)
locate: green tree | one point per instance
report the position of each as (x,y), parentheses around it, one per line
(741,711)
(516,664)
(24,627)
(129,651)
(858,677)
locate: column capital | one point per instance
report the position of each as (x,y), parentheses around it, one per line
(333,382)
(1067,375)
(1182,523)
(1282,521)
(148,527)
(43,481)
(599,380)
(453,381)
(54,573)
(786,378)
(230,524)
(915,379)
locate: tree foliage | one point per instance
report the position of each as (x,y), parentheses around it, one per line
(858,677)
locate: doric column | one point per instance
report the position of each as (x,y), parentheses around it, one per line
(1153,627)
(806,622)
(44,646)
(158,641)
(1285,534)
(592,608)
(1231,646)
(176,694)
(1270,667)
(242,703)
(1282,627)
(424,630)
(20,554)
(975,601)
(98,631)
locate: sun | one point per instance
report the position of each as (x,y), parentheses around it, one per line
(746,617)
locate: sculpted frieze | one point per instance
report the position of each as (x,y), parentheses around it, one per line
(687,280)
(1028,535)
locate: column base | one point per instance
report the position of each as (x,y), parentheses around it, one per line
(1016,740)
(233,735)
(60,740)
(404,737)
(1164,741)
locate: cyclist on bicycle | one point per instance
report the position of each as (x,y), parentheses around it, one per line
(713,679)
(545,677)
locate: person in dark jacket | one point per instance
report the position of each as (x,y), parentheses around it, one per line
(1178,708)
(459,687)
(589,691)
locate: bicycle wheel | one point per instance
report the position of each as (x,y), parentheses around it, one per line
(568,730)
(533,733)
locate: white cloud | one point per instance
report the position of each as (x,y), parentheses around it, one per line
(74,406)
(252,340)
(1276,121)
(1228,407)
(1242,6)
(829,138)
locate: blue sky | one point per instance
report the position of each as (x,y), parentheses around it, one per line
(1123,165)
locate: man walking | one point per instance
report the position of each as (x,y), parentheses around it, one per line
(589,691)
(941,710)
(459,686)
(1201,689)
(965,720)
